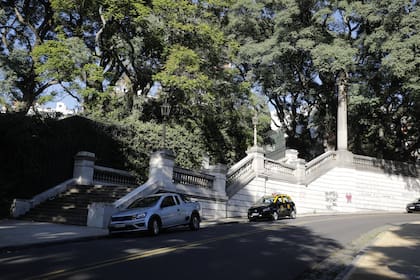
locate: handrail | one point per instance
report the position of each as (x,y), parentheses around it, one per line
(188,177)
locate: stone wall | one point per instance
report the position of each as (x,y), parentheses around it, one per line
(344,190)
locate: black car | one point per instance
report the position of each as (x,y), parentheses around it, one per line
(414,206)
(272,207)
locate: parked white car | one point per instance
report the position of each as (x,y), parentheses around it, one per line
(155,212)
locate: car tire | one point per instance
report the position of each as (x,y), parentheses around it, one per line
(293,214)
(194,222)
(275,216)
(154,226)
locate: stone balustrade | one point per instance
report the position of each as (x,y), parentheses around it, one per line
(111,176)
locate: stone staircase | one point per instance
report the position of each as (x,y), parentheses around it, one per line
(71,207)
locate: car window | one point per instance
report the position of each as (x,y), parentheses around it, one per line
(168,201)
(266,200)
(144,202)
(177,200)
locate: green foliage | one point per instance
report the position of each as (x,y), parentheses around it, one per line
(38,153)
(182,71)
(212,60)
(310,49)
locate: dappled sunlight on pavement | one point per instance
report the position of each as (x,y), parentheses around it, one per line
(394,254)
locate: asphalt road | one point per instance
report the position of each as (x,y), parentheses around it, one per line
(284,249)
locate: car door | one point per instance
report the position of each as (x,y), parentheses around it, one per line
(181,211)
(169,211)
(283,206)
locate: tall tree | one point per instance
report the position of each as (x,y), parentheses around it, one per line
(316,53)
(275,56)
(24,24)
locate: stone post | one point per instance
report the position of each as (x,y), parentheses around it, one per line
(219,172)
(342,118)
(300,170)
(258,154)
(84,163)
(291,156)
(161,168)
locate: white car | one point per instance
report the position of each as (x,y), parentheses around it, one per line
(155,212)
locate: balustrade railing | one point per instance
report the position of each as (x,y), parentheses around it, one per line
(188,177)
(113,176)
(278,167)
(243,168)
(393,167)
(319,162)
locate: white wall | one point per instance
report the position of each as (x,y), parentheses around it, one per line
(339,190)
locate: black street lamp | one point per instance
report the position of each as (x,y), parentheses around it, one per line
(165,109)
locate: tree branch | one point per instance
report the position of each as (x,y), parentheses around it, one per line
(99,34)
(34,30)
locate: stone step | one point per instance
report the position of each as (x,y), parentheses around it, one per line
(71,207)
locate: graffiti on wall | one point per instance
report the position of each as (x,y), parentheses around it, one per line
(348,197)
(331,199)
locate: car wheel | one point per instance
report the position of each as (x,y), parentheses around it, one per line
(195,222)
(293,214)
(275,216)
(154,226)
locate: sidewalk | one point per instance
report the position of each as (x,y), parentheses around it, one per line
(394,254)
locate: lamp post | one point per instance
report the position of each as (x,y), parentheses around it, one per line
(255,122)
(165,109)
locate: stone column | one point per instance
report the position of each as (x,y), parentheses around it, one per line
(219,172)
(84,163)
(258,154)
(161,168)
(342,116)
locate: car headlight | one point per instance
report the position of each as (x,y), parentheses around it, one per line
(266,209)
(139,216)
(411,207)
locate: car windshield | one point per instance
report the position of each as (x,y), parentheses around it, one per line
(144,202)
(266,200)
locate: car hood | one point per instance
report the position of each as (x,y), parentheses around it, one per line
(130,212)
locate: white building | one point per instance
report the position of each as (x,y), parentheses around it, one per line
(60,107)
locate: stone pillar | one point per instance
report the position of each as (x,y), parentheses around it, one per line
(219,172)
(258,154)
(99,214)
(342,118)
(84,163)
(161,168)
(291,156)
(19,207)
(300,170)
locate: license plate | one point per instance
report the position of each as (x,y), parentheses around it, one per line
(119,225)
(254,214)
